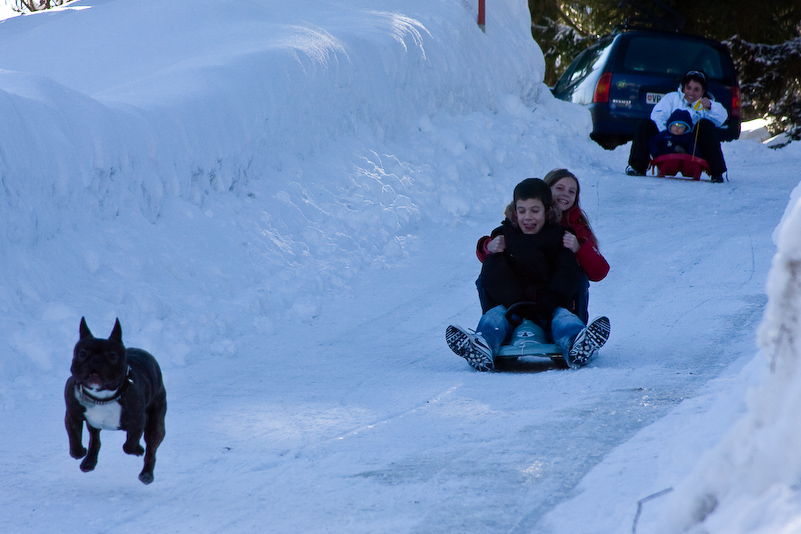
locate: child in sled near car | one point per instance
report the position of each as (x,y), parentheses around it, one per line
(528,262)
(678,138)
(707,115)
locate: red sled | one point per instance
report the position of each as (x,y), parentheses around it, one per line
(673,164)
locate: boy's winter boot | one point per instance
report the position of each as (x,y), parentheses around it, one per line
(471,347)
(588,341)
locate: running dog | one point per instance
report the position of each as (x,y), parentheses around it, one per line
(114,388)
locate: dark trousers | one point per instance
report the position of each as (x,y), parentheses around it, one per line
(707,146)
(580,305)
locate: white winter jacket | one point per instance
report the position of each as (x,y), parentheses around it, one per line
(675,100)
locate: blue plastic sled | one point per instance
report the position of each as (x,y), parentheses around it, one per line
(529,340)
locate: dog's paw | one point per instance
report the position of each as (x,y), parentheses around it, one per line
(89,464)
(146,477)
(78,453)
(135,449)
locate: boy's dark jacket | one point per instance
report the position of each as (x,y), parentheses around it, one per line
(534,268)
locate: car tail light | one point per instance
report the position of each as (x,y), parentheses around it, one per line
(602,88)
(735,102)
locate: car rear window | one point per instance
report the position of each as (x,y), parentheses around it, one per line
(662,56)
(586,63)
(585,66)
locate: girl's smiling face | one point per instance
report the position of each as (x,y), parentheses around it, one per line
(530,215)
(564,193)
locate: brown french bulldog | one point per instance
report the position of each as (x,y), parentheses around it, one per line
(114,388)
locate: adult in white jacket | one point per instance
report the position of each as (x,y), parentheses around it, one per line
(707,115)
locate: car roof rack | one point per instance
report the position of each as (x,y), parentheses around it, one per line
(652,15)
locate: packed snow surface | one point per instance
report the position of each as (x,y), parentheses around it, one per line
(280,201)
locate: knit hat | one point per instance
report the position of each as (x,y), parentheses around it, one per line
(680,116)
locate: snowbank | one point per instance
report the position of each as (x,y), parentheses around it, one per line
(296,146)
(749,483)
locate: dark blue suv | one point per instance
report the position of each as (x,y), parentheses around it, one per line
(622,76)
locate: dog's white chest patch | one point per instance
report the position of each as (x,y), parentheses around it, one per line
(102,416)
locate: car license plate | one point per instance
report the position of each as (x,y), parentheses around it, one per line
(653,98)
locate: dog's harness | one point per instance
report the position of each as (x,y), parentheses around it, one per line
(85,395)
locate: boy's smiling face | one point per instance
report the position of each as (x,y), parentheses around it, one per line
(530,215)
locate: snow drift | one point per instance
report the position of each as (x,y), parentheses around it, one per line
(298,125)
(749,483)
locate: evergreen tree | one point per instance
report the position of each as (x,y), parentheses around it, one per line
(770,82)
(29,6)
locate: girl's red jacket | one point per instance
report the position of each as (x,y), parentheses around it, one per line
(588,256)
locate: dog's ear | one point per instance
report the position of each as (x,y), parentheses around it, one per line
(85,329)
(116,334)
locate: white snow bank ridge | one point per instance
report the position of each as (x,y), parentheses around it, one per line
(750,482)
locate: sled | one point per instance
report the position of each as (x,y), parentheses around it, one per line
(671,165)
(529,340)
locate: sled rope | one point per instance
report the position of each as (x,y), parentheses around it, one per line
(695,144)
